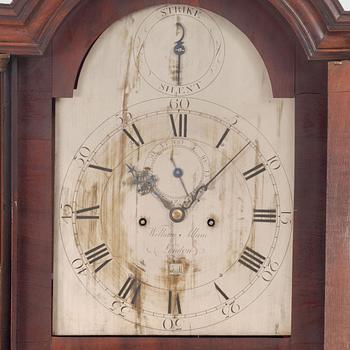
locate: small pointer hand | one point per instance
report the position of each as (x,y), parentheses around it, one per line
(175,168)
(179,50)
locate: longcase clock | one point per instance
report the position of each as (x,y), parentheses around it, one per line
(167,171)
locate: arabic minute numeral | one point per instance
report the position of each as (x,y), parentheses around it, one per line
(274,163)
(79,266)
(172,324)
(120,308)
(230,309)
(286,217)
(82,156)
(179,103)
(67,212)
(270,271)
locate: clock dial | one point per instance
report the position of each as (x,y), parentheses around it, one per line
(179,49)
(179,230)
(174,215)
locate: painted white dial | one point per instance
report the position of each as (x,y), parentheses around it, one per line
(118,198)
(173,216)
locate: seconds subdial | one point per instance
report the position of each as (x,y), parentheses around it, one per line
(181,166)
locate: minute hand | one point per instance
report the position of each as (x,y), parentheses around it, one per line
(225,166)
(205,186)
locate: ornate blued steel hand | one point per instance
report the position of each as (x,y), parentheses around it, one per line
(143,179)
(179,50)
(146,183)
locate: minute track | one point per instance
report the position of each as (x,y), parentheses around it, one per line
(164,257)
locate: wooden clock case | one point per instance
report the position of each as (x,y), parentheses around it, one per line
(48,41)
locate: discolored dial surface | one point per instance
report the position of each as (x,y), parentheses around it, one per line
(182,217)
(173,184)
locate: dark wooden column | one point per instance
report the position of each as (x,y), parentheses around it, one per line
(33,165)
(5,211)
(309,203)
(337,307)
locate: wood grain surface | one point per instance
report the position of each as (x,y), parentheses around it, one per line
(5,216)
(33,178)
(310,202)
(322,26)
(337,309)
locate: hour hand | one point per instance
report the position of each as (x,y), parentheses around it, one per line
(167,204)
(145,183)
(143,179)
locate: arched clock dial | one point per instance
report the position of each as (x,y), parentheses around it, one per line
(176,215)
(179,49)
